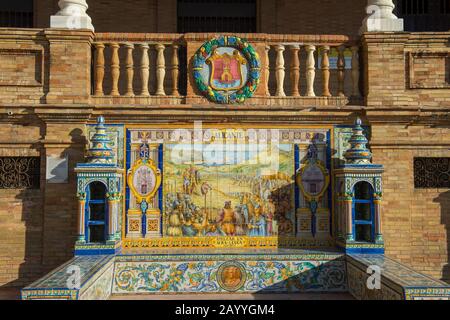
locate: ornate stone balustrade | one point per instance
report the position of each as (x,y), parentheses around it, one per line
(318,66)
(47,67)
(156,68)
(136,68)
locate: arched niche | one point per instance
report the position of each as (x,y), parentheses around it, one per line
(96,212)
(363,212)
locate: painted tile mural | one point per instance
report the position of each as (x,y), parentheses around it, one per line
(223,184)
(230,276)
(236,198)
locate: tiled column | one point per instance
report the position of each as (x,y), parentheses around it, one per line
(349,222)
(378,229)
(81,217)
(338,216)
(112,217)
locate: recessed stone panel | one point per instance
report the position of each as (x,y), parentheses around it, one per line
(21,67)
(429,70)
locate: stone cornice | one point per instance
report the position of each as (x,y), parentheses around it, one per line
(277,38)
(64,114)
(223,113)
(409,145)
(69,35)
(406,37)
(17,34)
(52,34)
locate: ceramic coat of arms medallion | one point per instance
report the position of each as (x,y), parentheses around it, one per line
(144,180)
(231,276)
(226,70)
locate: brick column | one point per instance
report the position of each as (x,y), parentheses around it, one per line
(63,210)
(70,66)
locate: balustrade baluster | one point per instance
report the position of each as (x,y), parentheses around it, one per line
(175,70)
(130,69)
(341,71)
(279,71)
(99,68)
(267,71)
(326,71)
(115,69)
(160,70)
(310,70)
(355,71)
(145,69)
(295,70)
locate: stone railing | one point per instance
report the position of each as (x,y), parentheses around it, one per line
(137,67)
(63,67)
(310,71)
(155,68)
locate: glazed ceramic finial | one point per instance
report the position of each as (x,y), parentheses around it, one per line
(358,153)
(100,151)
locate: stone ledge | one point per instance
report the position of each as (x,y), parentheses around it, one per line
(398,281)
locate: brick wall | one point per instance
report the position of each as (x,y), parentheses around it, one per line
(21,213)
(29,57)
(20,237)
(406,69)
(408,73)
(416,222)
(60,203)
(273,16)
(22,57)
(311,17)
(38,226)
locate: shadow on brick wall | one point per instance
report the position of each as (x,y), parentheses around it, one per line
(31,266)
(444,200)
(48,216)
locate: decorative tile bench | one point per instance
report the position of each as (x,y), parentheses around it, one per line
(398,282)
